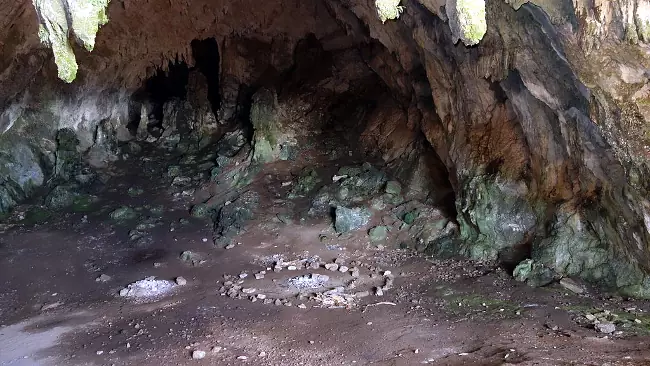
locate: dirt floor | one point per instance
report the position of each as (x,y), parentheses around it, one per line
(62,275)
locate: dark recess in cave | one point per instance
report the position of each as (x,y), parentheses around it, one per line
(206,58)
(158,89)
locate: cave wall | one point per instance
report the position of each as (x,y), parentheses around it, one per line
(542,126)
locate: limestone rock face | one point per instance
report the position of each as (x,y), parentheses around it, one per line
(539,131)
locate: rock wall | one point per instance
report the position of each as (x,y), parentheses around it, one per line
(543,126)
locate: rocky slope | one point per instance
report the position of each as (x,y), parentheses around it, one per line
(541,128)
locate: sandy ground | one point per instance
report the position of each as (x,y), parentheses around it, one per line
(53,311)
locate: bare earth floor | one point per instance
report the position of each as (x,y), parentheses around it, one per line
(55,311)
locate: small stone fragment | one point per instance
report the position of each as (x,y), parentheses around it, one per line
(243,275)
(198,355)
(379,291)
(292,268)
(243,358)
(259,276)
(216,349)
(230,246)
(181,281)
(343,269)
(248,290)
(378,233)
(302,306)
(103,278)
(332,267)
(572,285)
(606,327)
(261,296)
(278,302)
(355,272)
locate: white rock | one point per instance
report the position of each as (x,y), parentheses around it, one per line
(343,269)
(248,290)
(242,358)
(198,355)
(332,267)
(103,278)
(292,268)
(181,281)
(605,327)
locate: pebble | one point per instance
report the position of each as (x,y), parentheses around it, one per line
(242,358)
(259,276)
(181,281)
(292,268)
(343,269)
(261,296)
(262,354)
(248,290)
(230,246)
(243,275)
(572,285)
(103,278)
(339,261)
(278,302)
(332,267)
(314,265)
(355,272)
(198,355)
(216,349)
(205,240)
(302,306)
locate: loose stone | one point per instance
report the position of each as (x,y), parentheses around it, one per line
(332,267)
(198,355)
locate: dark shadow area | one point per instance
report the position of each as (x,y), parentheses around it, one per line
(206,58)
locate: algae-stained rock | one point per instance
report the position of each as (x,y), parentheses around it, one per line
(307,182)
(493,214)
(173,171)
(201,210)
(233,217)
(124,214)
(349,219)
(393,187)
(467,20)
(378,233)
(68,159)
(61,197)
(272,140)
(535,274)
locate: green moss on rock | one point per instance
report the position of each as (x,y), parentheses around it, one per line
(59,18)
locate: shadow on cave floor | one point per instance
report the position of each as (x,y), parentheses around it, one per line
(249,292)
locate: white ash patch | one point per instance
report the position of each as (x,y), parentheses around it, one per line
(147,289)
(308,282)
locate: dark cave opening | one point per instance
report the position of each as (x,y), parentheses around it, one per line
(206,60)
